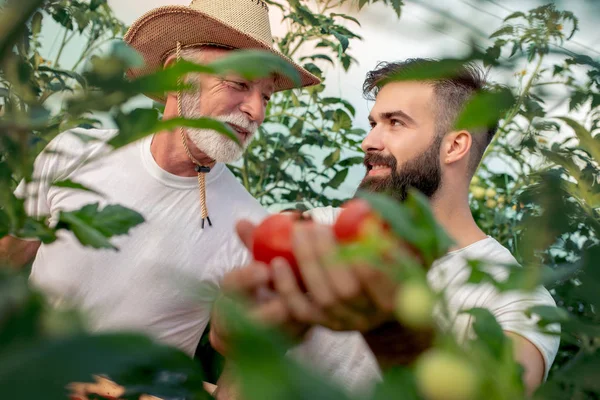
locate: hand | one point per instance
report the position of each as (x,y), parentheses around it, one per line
(340,296)
(250,286)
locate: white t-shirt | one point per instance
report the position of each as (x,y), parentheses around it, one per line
(165,276)
(347,357)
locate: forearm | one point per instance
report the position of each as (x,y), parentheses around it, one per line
(393,344)
(17,252)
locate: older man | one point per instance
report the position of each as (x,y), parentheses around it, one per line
(177,180)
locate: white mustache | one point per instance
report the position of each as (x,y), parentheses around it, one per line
(240,120)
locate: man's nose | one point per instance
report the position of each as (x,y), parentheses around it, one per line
(373,141)
(254,106)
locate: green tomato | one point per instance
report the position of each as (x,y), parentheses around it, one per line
(490,193)
(491,203)
(414,305)
(444,376)
(478,192)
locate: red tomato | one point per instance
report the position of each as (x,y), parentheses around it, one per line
(350,223)
(273,238)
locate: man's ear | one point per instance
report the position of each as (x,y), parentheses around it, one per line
(456,146)
(170,60)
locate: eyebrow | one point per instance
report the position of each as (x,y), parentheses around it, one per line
(392,114)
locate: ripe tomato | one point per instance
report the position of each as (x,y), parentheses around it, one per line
(273,238)
(350,224)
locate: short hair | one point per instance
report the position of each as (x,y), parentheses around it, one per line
(452,91)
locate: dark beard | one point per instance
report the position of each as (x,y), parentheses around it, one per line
(422,173)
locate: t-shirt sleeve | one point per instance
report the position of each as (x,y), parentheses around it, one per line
(61,157)
(510,309)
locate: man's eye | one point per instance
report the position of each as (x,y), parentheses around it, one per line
(372,124)
(238,85)
(397,122)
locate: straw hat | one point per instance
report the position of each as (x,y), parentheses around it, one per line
(237,24)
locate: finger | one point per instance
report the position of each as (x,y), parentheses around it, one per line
(341,277)
(245,230)
(297,302)
(309,263)
(247,280)
(315,246)
(273,312)
(379,286)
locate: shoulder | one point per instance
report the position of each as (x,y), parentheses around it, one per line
(324,215)
(71,148)
(79,144)
(453,269)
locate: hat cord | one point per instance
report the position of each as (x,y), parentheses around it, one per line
(202,170)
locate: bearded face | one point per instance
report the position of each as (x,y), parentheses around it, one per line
(215,145)
(422,173)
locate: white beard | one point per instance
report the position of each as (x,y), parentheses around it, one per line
(212,143)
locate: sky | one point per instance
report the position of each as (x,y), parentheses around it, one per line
(419,32)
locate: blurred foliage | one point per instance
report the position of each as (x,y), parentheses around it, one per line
(543,205)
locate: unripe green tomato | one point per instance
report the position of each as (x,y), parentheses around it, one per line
(490,203)
(490,193)
(414,305)
(478,192)
(444,376)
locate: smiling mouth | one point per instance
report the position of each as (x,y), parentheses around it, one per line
(377,167)
(242,133)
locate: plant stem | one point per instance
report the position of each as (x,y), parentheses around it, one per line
(90,50)
(62,47)
(515,110)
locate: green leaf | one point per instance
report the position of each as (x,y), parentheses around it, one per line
(488,331)
(397,6)
(343,39)
(94,4)
(577,99)
(332,158)
(413,222)
(123,357)
(517,277)
(514,15)
(4,224)
(346,17)
(13,20)
(36,23)
(318,57)
(338,179)
(485,109)
(505,30)
(37,229)
(255,64)
(362,3)
(586,141)
(67,183)
(341,120)
(143,122)
(549,315)
(93,227)
(74,75)
(428,70)
(348,162)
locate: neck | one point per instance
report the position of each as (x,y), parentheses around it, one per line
(451,209)
(169,153)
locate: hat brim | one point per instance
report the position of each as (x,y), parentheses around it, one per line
(156,33)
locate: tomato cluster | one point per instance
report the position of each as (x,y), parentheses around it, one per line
(273,237)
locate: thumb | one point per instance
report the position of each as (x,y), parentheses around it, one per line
(245,230)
